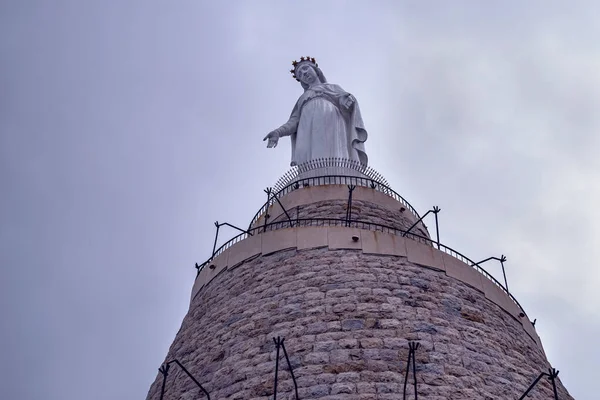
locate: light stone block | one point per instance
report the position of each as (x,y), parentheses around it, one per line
(296,198)
(311,237)
(277,240)
(329,192)
(461,271)
(386,201)
(273,211)
(243,250)
(382,243)
(339,237)
(424,255)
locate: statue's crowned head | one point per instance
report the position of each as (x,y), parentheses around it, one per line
(303,71)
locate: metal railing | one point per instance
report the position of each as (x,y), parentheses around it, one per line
(331,180)
(371,226)
(330,166)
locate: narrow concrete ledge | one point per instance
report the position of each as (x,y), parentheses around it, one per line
(278,240)
(339,237)
(244,249)
(312,237)
(369,242)
(384,200)
(464,273)
(494,293)
(374,242)
(424,255)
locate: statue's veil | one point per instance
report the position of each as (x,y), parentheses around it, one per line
(319,74)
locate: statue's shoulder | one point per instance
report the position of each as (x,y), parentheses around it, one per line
(333,86)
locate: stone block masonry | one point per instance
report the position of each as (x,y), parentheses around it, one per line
(347,317)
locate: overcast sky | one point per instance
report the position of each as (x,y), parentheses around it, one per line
(128,127)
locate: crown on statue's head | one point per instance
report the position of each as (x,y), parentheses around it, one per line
(296,64)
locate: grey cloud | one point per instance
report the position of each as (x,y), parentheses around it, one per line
(127,129)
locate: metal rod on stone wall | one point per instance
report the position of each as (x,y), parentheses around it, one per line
(407,369)
(164,370)
(277,343)
(415,347)
(553,374)
(191,377)
(419,220)
(502,259)
(290,367)
(436,210)
(216,237)
(268,191)
(412,348)
(284,210)
(532,385)
(349,210)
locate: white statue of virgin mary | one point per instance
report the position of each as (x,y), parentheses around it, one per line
(325,122)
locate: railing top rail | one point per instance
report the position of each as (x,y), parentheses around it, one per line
(339,165)
(361,225)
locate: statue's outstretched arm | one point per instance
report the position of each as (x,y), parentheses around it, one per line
(286,129)
(291,125)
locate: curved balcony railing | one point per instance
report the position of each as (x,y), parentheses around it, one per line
(360,225)
(333,180)
(328,166)
(330,171)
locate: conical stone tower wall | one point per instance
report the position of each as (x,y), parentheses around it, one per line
(349,292)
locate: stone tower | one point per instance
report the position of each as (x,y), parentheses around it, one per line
(371,306)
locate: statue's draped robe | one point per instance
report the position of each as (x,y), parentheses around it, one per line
(321,127)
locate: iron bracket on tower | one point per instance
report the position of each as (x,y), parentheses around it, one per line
(552,374)
(502,259)
(435,210)
(267,215)
(412,348)
(269,191)
(349,206)
(218,225)
(279,344)
(164,370)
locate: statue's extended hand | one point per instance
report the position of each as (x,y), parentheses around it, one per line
(273,138)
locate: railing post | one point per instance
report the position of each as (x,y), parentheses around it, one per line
(277,344)
(436,210)
(290,367)
(421,219)
(268,191)
(349,209)
(164,370)
(552,373)
(412,348)
(502,260)
(216,237)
